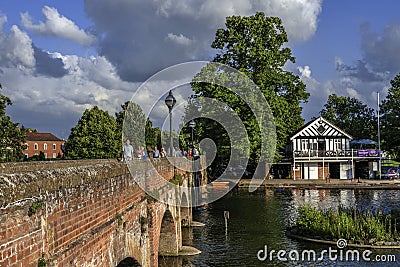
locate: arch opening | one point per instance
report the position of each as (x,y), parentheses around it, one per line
(129,262)
(168,243)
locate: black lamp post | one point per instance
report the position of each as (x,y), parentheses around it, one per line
(170,102)
(192,124)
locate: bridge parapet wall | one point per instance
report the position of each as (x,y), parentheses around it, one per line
(80,213)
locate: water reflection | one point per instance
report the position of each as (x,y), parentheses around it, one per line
(260,218)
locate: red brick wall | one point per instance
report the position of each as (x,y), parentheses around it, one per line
(323,171)
(49,151)
(98,222)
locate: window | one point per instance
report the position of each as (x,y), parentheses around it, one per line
(337,144)
(304,145)
(26,146)
(35,146)
(45,155)
(54,146)
(45,146)
(54,155)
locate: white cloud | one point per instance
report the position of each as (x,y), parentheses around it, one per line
(304,71)
(144,37)
(179,39)
(15,47)
(57,25)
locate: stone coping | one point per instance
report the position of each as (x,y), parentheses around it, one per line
(329,242)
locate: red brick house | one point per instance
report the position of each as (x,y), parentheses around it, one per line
(47,143)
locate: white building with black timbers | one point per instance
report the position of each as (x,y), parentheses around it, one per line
(321,150)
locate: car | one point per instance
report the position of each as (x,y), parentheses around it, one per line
(391,173)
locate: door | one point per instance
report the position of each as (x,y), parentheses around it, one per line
(321,148)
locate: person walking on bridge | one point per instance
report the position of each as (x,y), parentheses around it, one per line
(127,151)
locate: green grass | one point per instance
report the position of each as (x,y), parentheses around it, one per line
(390,162)
(351,224)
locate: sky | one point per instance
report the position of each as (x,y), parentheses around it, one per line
(58,58)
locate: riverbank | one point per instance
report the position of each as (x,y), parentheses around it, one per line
(321,184)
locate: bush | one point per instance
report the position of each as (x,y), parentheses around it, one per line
(351,224)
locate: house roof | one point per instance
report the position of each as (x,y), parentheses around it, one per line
(320,127)
(41,137)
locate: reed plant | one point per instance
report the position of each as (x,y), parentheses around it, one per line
(364,226)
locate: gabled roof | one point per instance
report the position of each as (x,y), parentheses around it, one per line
(320,127)
(41,137)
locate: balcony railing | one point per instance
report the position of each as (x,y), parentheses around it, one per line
(353,153)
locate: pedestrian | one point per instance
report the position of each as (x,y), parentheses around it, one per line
(127,151)
(139,152)
(156,153)
(163,153)
(144,156)
(178,152)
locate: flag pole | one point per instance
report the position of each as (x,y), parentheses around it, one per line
(379,141)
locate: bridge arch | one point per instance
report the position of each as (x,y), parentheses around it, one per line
(129,262)
(169,239)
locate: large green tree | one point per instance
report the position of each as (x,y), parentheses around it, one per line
(135,121)
(254,45)
(12,137)
(94,137)
(351,115)
(391,119)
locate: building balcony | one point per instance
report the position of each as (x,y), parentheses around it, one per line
(336,154)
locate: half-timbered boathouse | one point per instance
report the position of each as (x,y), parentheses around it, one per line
(321,150)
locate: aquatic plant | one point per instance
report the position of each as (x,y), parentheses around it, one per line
(359,226)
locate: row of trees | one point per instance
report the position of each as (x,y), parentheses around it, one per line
(99,135)
(254,45)
(361,121)
(12,137)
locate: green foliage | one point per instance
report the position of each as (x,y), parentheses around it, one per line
(350,224)
(153,135)
(131,123)
(177,180)
(391,119)
(12,137)
(94,137)
(136,126)
(254,45)
(42,261)
(352,116)
(35,207)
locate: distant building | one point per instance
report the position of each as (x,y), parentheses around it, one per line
(49,144)
(320,149)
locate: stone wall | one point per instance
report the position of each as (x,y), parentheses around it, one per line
(79,213)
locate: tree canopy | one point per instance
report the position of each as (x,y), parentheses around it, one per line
(135,123)
(391,119)
(12,138)
(254,45)
(95,136)
(352,116)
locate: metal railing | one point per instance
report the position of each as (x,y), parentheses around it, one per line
(353,153)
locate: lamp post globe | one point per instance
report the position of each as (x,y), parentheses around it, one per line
(170,101)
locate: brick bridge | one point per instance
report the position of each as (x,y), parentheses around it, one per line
(88,213)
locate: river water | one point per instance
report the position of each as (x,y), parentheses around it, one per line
(260,218)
